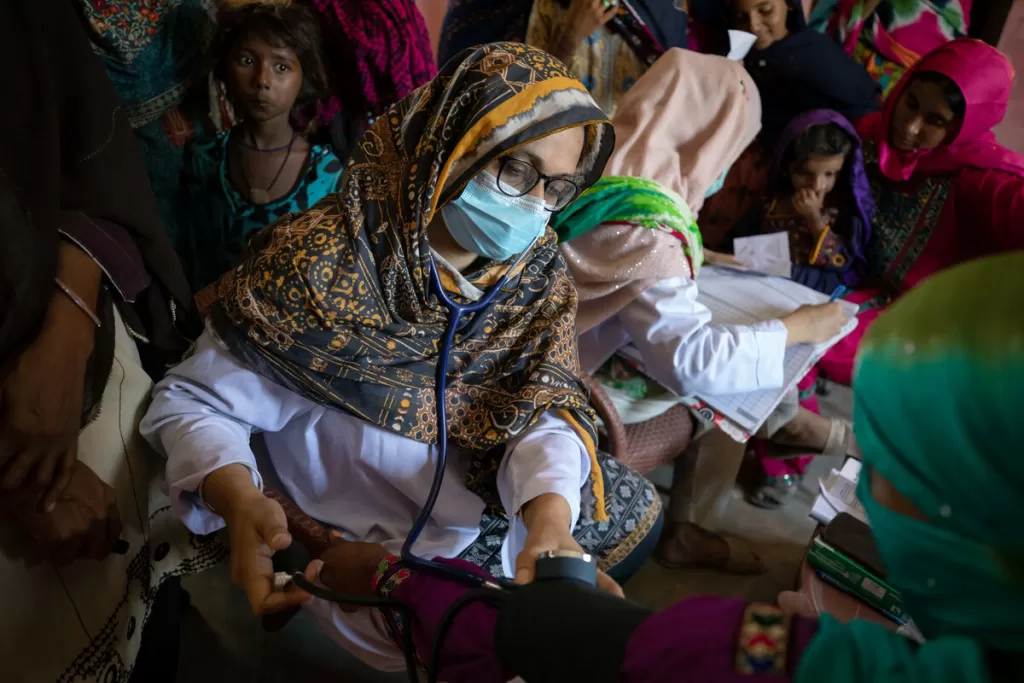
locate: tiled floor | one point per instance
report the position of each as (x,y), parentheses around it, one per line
(222,638)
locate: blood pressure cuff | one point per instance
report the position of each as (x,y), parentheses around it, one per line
(565,631)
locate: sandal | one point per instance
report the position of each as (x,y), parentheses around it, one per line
(688,546)
(775,492)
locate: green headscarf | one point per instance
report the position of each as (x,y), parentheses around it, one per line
(638,201)
(939,402)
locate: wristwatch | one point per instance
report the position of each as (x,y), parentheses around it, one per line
(571,565)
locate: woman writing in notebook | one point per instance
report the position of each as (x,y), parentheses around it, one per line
(634,251)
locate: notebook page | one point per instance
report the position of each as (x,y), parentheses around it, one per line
(743,299)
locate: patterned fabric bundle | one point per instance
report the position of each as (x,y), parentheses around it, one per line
(636,201)
(336,303)
(895,35)
(900,32)
(381,52)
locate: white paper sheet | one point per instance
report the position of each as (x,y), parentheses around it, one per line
(838,493)
(740,299)
(765,253)
(740,43)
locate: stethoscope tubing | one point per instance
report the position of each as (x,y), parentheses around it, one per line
(456,312)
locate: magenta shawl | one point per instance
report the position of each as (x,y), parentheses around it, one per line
(379,51)
(985,77)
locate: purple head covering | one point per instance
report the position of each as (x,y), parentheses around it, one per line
(854,170)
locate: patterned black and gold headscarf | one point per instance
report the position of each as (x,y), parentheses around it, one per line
(337,305)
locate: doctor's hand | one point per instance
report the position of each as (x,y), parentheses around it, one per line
(258,528)
(547,518)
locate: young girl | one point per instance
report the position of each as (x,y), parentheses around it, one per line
(828,228)
(268,57)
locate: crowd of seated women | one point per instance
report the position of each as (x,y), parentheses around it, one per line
(226,225)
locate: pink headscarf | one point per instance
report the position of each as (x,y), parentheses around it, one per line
(985,78)
(685,122)
(682,124)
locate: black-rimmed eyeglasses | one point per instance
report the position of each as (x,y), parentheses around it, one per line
(517,178)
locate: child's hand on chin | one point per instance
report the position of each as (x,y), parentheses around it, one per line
(808,203)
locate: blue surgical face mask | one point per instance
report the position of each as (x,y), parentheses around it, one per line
(717,185)
(486,221)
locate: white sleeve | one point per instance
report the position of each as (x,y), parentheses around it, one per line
(201,418)
(684,352)
(549,458)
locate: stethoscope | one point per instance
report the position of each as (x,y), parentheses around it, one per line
(456,312)
(484,588)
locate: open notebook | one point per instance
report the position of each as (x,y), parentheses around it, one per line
(735,297)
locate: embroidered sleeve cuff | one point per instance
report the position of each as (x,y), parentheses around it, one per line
(763,641)
(390,573)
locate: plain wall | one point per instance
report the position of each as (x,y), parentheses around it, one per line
(1011,131)
(433,12)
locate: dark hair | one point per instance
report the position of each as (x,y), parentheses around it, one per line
(28,264)
(954,96)
(821,140)
(294,26)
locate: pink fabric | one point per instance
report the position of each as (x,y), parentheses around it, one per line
(983,215)
(697,639)
(838,362)
(685,122)
(682,124)
(909,40)
(379,52)
(985,77)
(615,263)
(983,212)
(778,467)
(697,635)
